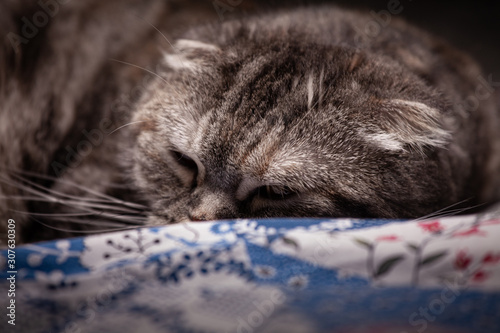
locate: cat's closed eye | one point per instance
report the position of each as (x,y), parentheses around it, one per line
(185,160)
(186,168)
(274,192)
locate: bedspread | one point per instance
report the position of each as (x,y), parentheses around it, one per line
(264,275)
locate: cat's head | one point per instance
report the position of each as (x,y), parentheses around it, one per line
(289,129)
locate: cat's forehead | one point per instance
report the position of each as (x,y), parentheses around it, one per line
(246,105)
(279,143)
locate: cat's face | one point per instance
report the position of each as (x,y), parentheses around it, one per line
(288,130)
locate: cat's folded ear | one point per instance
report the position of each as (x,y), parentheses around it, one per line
(191,54)
(403,125)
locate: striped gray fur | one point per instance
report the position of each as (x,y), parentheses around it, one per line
(283,113)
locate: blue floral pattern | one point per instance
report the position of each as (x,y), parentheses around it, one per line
(272,275)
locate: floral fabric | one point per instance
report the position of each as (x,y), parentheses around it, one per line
(278,275)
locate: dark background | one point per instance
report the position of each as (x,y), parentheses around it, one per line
(472,26)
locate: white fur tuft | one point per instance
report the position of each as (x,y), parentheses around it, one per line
(183,58)
(178,61)
(188,44)
(386,141)
(408,123)
(310,91)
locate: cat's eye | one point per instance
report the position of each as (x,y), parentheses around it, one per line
(188,168)
(184,160)
(274,192)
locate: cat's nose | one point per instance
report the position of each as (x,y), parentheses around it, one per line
(211,205)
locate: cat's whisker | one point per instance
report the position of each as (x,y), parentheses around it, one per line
(21,197)
(461,210)
(88,211)
(92,206)
(39,199)
(28,189)
(445,212)
(60,194)
(448,213)
(85,206)
(94,223)
(158,30)
(69,218)
(51,214)
(140,67)
(72,231)
(54,178)
(450,206)
(128,124)
(127,219)
(107,198)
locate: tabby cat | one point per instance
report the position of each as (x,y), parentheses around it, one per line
(123,113)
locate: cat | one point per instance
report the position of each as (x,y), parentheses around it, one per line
(125,113)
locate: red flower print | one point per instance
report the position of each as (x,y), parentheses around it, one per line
(462,261)
(490,258)
(431,226)
(389,238)
(490,222)
(472,231)
(480,276)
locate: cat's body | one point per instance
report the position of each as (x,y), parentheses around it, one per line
(291,113)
